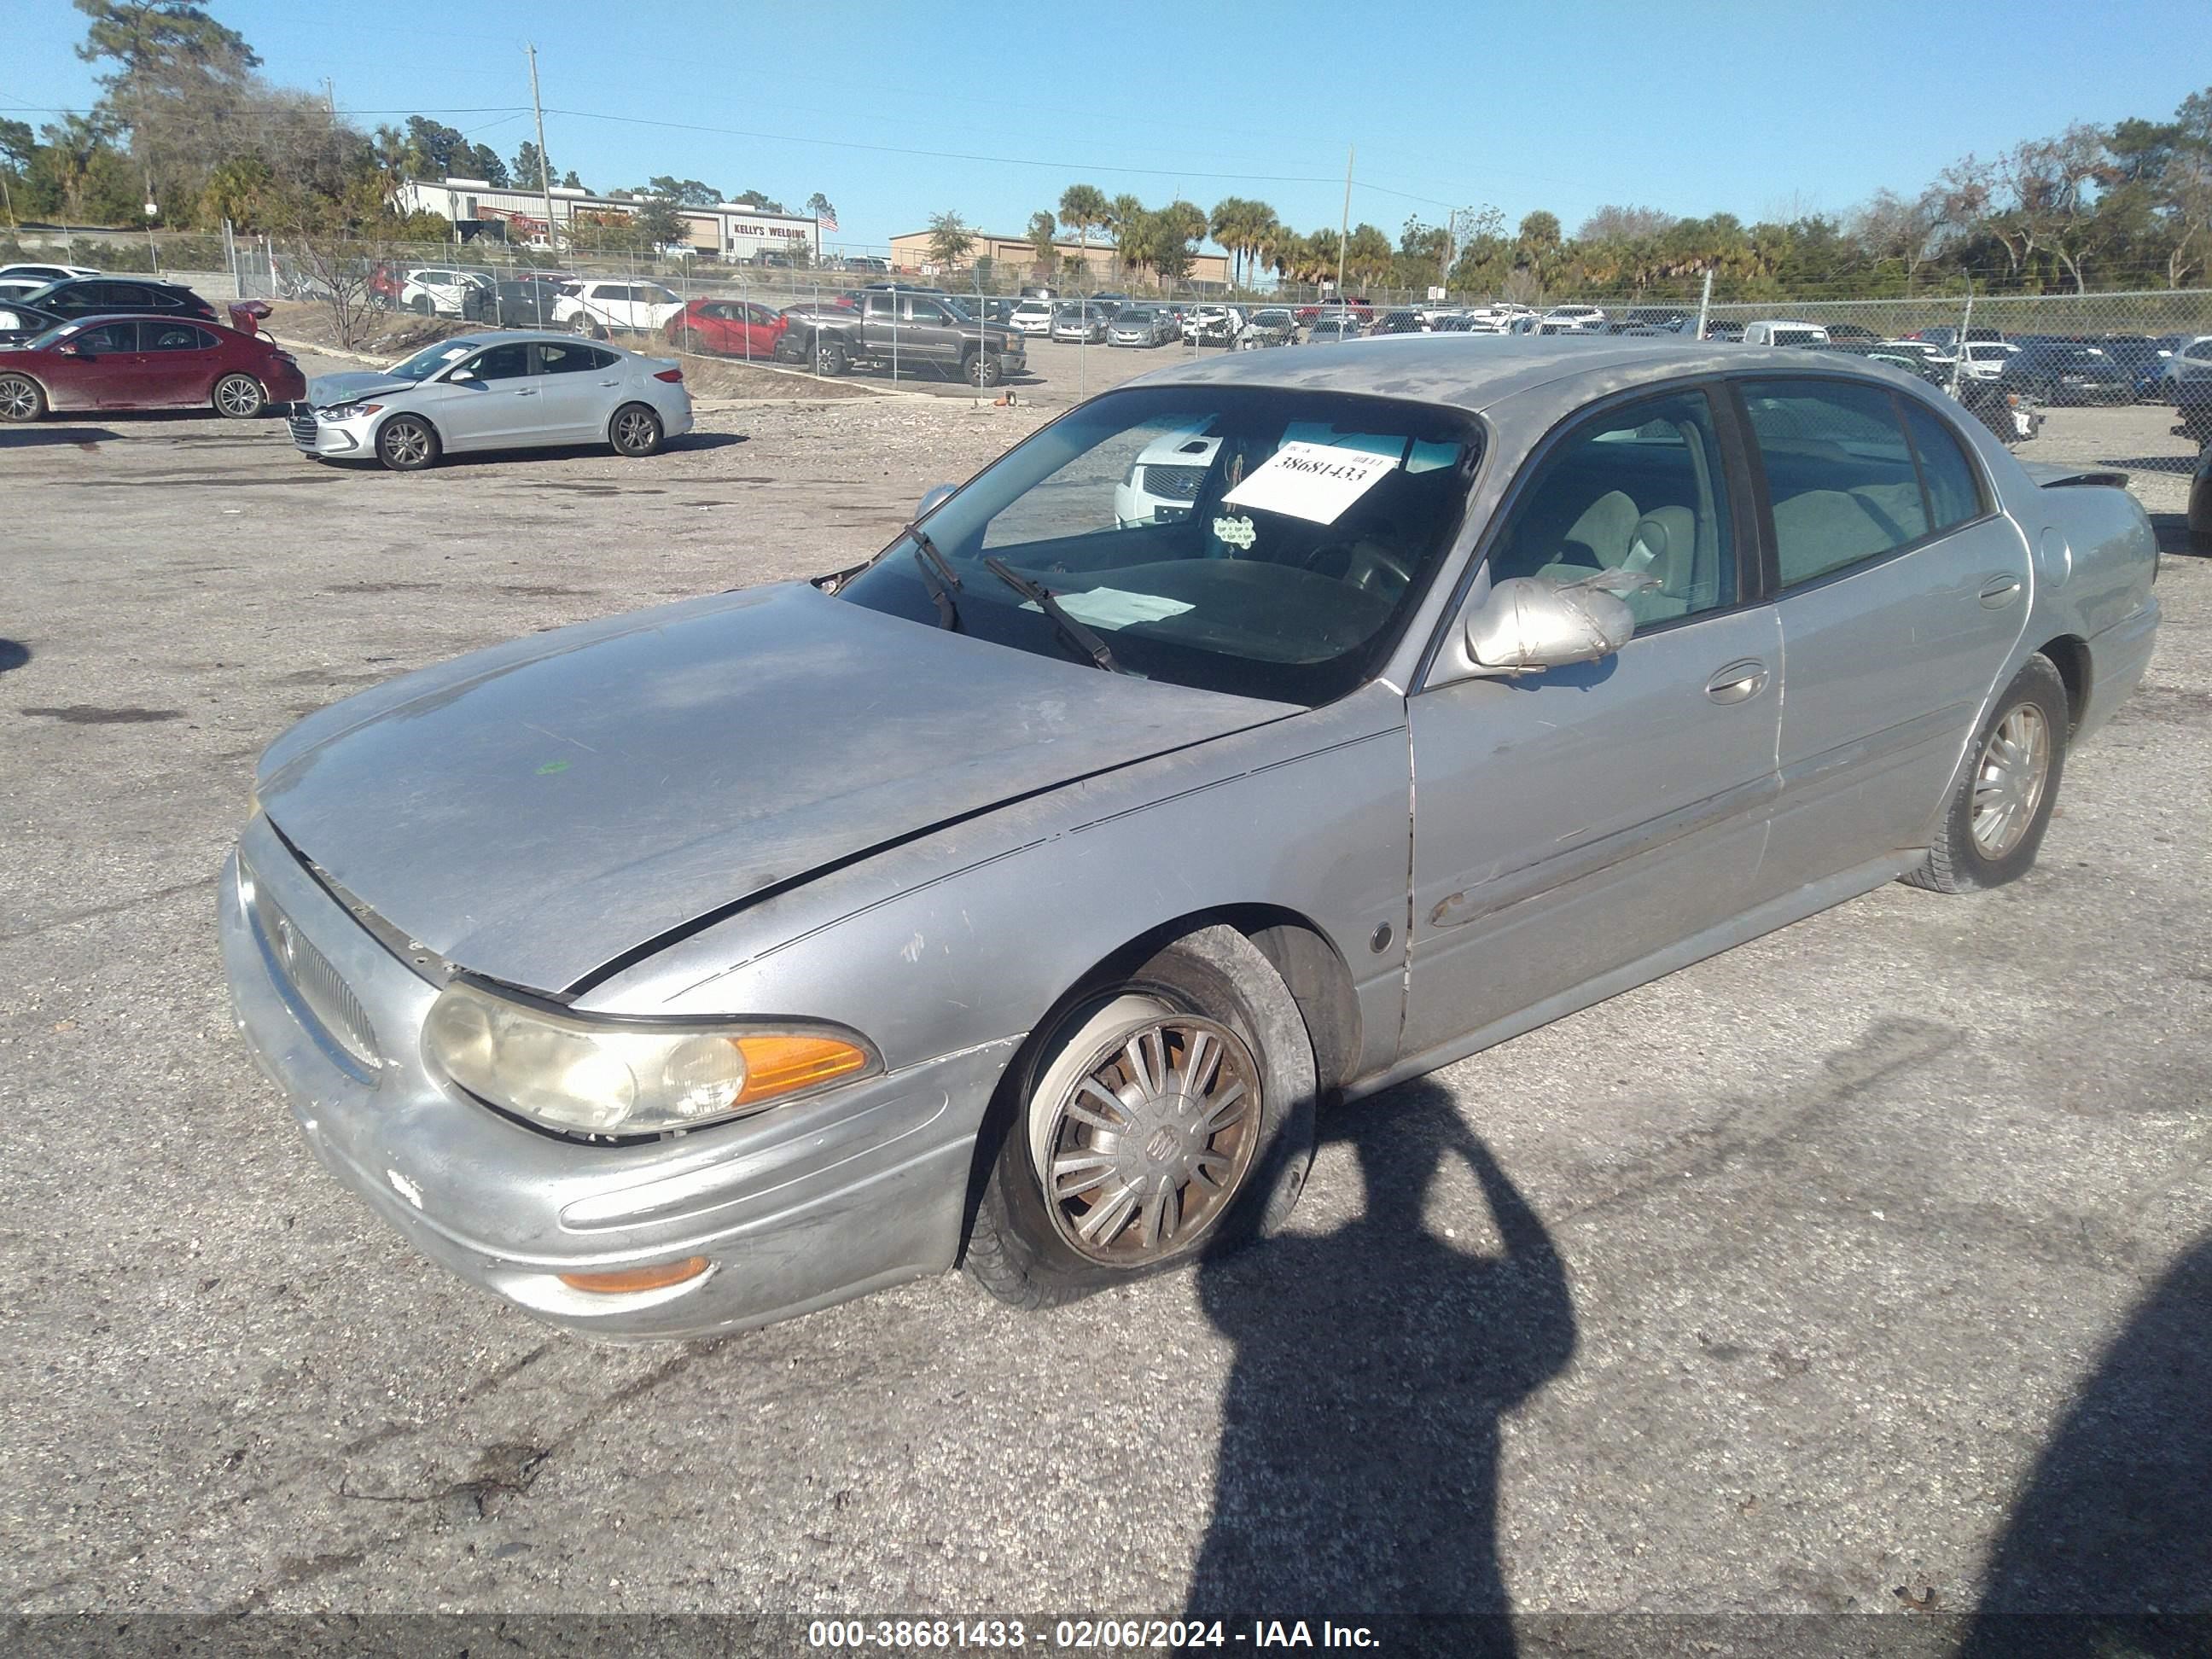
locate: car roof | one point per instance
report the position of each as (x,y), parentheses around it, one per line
(94,319)
(1479,374)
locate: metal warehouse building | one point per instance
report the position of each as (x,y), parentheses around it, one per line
(728,229)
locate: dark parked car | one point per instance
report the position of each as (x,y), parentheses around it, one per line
(2066,372)
(108,296)
(2199,503)
(525,304)
(908,327)
(145,362)
(1397,322)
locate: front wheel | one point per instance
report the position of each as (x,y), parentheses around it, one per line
(240,397)
(20,399)
(1993,823)
(406,444)
(982,368)
(1165,1114)
(831,357)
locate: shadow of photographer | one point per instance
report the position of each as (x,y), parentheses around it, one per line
(1357,1470)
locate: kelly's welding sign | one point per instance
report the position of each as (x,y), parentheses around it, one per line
(1311,481)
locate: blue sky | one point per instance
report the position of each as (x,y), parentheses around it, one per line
(1756,109)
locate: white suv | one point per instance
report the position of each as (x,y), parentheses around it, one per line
(435,292)
(600,308)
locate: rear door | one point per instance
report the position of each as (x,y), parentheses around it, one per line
(1902,592)
(1571,823)
(579,386)
(182,360)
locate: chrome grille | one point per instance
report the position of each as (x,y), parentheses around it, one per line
(314,983)
(301,420)
(1177,483)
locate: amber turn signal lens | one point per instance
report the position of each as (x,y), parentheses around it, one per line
(779,1065)
(655,1278)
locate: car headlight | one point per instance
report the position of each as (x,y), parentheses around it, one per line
(628,1077)
(348,411)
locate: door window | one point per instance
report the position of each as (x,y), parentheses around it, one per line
(565,359)
(927,311)
(108,339)
(176,336)
(1839,473)
(503,363)
(1955,489)
(1641,489)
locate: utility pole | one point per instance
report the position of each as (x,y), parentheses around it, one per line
(544,172)
(331,97)
(1344,225)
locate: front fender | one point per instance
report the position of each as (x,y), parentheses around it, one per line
(971,934)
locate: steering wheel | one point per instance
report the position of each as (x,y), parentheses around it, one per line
(1365,564)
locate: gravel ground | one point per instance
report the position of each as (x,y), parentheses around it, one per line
(1868,1263)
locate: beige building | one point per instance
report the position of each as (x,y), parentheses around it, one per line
(1010,255)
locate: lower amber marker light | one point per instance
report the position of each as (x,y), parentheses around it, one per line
(659,1277)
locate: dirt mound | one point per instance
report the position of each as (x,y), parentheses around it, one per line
(388,334)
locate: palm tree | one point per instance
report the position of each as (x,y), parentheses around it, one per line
(1123,211)
(1231,223)
(1041,238)
(1138,239)
(1082,207)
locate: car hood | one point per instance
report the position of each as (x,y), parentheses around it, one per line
(532,812)
(324,389)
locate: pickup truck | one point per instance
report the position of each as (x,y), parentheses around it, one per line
(879,327)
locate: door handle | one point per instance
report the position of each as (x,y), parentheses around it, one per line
(526,391)
(1739,682)
(610,383)
(2000,591)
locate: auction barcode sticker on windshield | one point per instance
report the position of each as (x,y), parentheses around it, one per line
(1311,481)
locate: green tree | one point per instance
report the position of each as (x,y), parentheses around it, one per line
(819,206)
(688,193)
(570,181)
(530,169)
(950,239)
(658,222)
(1083,208)
(760,200)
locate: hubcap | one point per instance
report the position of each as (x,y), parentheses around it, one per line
(634,430)
(2009,780)
(238,396)
(17,399)
(1148,1148)
(406,444)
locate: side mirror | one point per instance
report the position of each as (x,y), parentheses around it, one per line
(1527,624)
(461,375)
(931,497)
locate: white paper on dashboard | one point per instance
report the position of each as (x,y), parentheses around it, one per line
(1114,607)
(1312,481)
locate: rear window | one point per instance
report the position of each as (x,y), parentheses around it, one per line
(1839,474)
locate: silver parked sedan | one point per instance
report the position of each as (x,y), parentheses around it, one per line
(495,392)
(661,975)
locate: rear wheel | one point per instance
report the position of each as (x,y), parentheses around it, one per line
(634,431)
(1163,1115)
(587,327)
(240,397)
(406,443)
(1995,820)
(422,306)
(20,398)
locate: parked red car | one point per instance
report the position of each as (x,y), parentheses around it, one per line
(727,328)
(146,362)
(1355,303)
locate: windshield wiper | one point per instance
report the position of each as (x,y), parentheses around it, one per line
(1086,642)
(938,575)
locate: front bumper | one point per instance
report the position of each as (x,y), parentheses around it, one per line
(312,435)
(794,1210)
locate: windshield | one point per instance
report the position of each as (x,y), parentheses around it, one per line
(429,360)
(1248,539)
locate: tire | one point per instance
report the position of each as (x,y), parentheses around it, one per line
(424,305)
(1972,850)
(1033,1250)
(239,398)
(21,398)
(981,368)
(829,356)
(588,328)
(407,443)
(636,431)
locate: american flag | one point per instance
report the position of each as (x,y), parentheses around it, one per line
(827,219)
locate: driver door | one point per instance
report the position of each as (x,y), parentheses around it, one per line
(1572,822)
(496,403)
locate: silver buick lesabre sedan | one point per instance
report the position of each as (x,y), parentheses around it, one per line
(1014,898)
(494,392)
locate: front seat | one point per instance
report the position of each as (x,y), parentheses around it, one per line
(1597,540)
